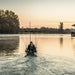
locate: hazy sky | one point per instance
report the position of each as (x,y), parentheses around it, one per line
(42,12)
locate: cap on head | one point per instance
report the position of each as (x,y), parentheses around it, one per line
(31,42)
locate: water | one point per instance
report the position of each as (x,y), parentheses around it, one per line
(55,56)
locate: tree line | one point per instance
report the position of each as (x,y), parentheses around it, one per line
(45,30)
(9,22)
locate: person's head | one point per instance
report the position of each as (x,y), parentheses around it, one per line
(31,42)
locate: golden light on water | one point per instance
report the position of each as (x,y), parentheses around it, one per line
(55,45)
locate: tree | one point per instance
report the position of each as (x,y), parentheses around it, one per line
(61,27)
(9,22)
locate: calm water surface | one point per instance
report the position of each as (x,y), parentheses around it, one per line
(55,56)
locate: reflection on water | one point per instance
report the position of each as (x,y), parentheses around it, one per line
(8,44)
(73,43)
(55,55)
(61,42)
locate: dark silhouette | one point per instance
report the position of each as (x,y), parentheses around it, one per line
(73,25)
(45,30)
(9,22)
(61,27)
(31,49)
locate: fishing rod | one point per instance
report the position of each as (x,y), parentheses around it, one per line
(31,35)
(23,41)
(36,41)
(30,30)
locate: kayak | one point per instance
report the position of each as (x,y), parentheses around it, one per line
(30,53)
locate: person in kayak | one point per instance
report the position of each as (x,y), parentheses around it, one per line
(31,48)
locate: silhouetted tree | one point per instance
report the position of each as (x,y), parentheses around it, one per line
(61,27)
(9,22)
(73,25)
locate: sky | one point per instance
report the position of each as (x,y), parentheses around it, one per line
(48,13)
